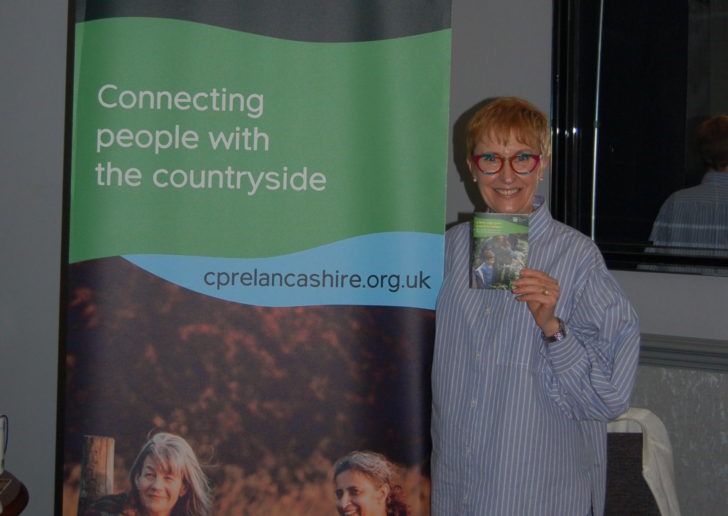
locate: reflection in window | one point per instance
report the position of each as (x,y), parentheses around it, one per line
(635,79)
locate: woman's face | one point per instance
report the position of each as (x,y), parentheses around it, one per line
(158,490)
(357,495)
(506,191)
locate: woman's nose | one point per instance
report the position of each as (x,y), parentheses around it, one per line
(508,174)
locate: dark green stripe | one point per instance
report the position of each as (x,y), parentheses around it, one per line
(313,20)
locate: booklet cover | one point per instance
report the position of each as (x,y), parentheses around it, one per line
(499,249)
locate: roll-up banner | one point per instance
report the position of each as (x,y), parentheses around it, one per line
(255,246)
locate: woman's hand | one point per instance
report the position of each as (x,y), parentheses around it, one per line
(541,293)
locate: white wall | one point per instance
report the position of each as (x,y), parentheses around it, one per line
(679,304)
(491,58)
(32,77)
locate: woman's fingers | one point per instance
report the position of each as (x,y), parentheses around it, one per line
(537,283)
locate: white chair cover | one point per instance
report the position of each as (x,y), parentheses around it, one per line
(657,465)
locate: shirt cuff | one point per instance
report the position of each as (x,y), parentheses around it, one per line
(564,354)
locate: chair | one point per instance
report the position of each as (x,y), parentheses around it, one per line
(640,477)
(13,495)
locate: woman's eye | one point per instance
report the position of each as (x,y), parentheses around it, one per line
(523,157)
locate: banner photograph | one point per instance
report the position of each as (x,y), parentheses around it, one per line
(255,247)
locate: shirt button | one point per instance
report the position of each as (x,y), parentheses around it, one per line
(473,402)
(487,310)
(465,499)
(478,356)
(468,451)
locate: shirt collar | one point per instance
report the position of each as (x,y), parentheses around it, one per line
(715,178)
(538,221)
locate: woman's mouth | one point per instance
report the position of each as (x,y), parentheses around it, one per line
(507,192)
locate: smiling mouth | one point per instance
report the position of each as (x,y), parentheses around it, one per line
(507,192)
(350,511)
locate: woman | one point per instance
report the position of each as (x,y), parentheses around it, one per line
(166,480)
(364,485)
(525,381)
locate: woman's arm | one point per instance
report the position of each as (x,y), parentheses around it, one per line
(590,373)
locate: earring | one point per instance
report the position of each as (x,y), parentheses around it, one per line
(475,179)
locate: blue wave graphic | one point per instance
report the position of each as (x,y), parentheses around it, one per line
(383,269)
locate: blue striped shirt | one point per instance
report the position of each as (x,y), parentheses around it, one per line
(518,425)
(694,222)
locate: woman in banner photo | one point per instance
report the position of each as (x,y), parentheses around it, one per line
(166,480)
(364,485)
(524,381)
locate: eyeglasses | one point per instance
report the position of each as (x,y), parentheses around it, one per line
(522,164)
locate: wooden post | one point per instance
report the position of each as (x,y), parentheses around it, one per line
(97,470)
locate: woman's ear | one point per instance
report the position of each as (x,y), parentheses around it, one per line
(545,162)
(470,169)
(183,489)
(542,166)
(384,491)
